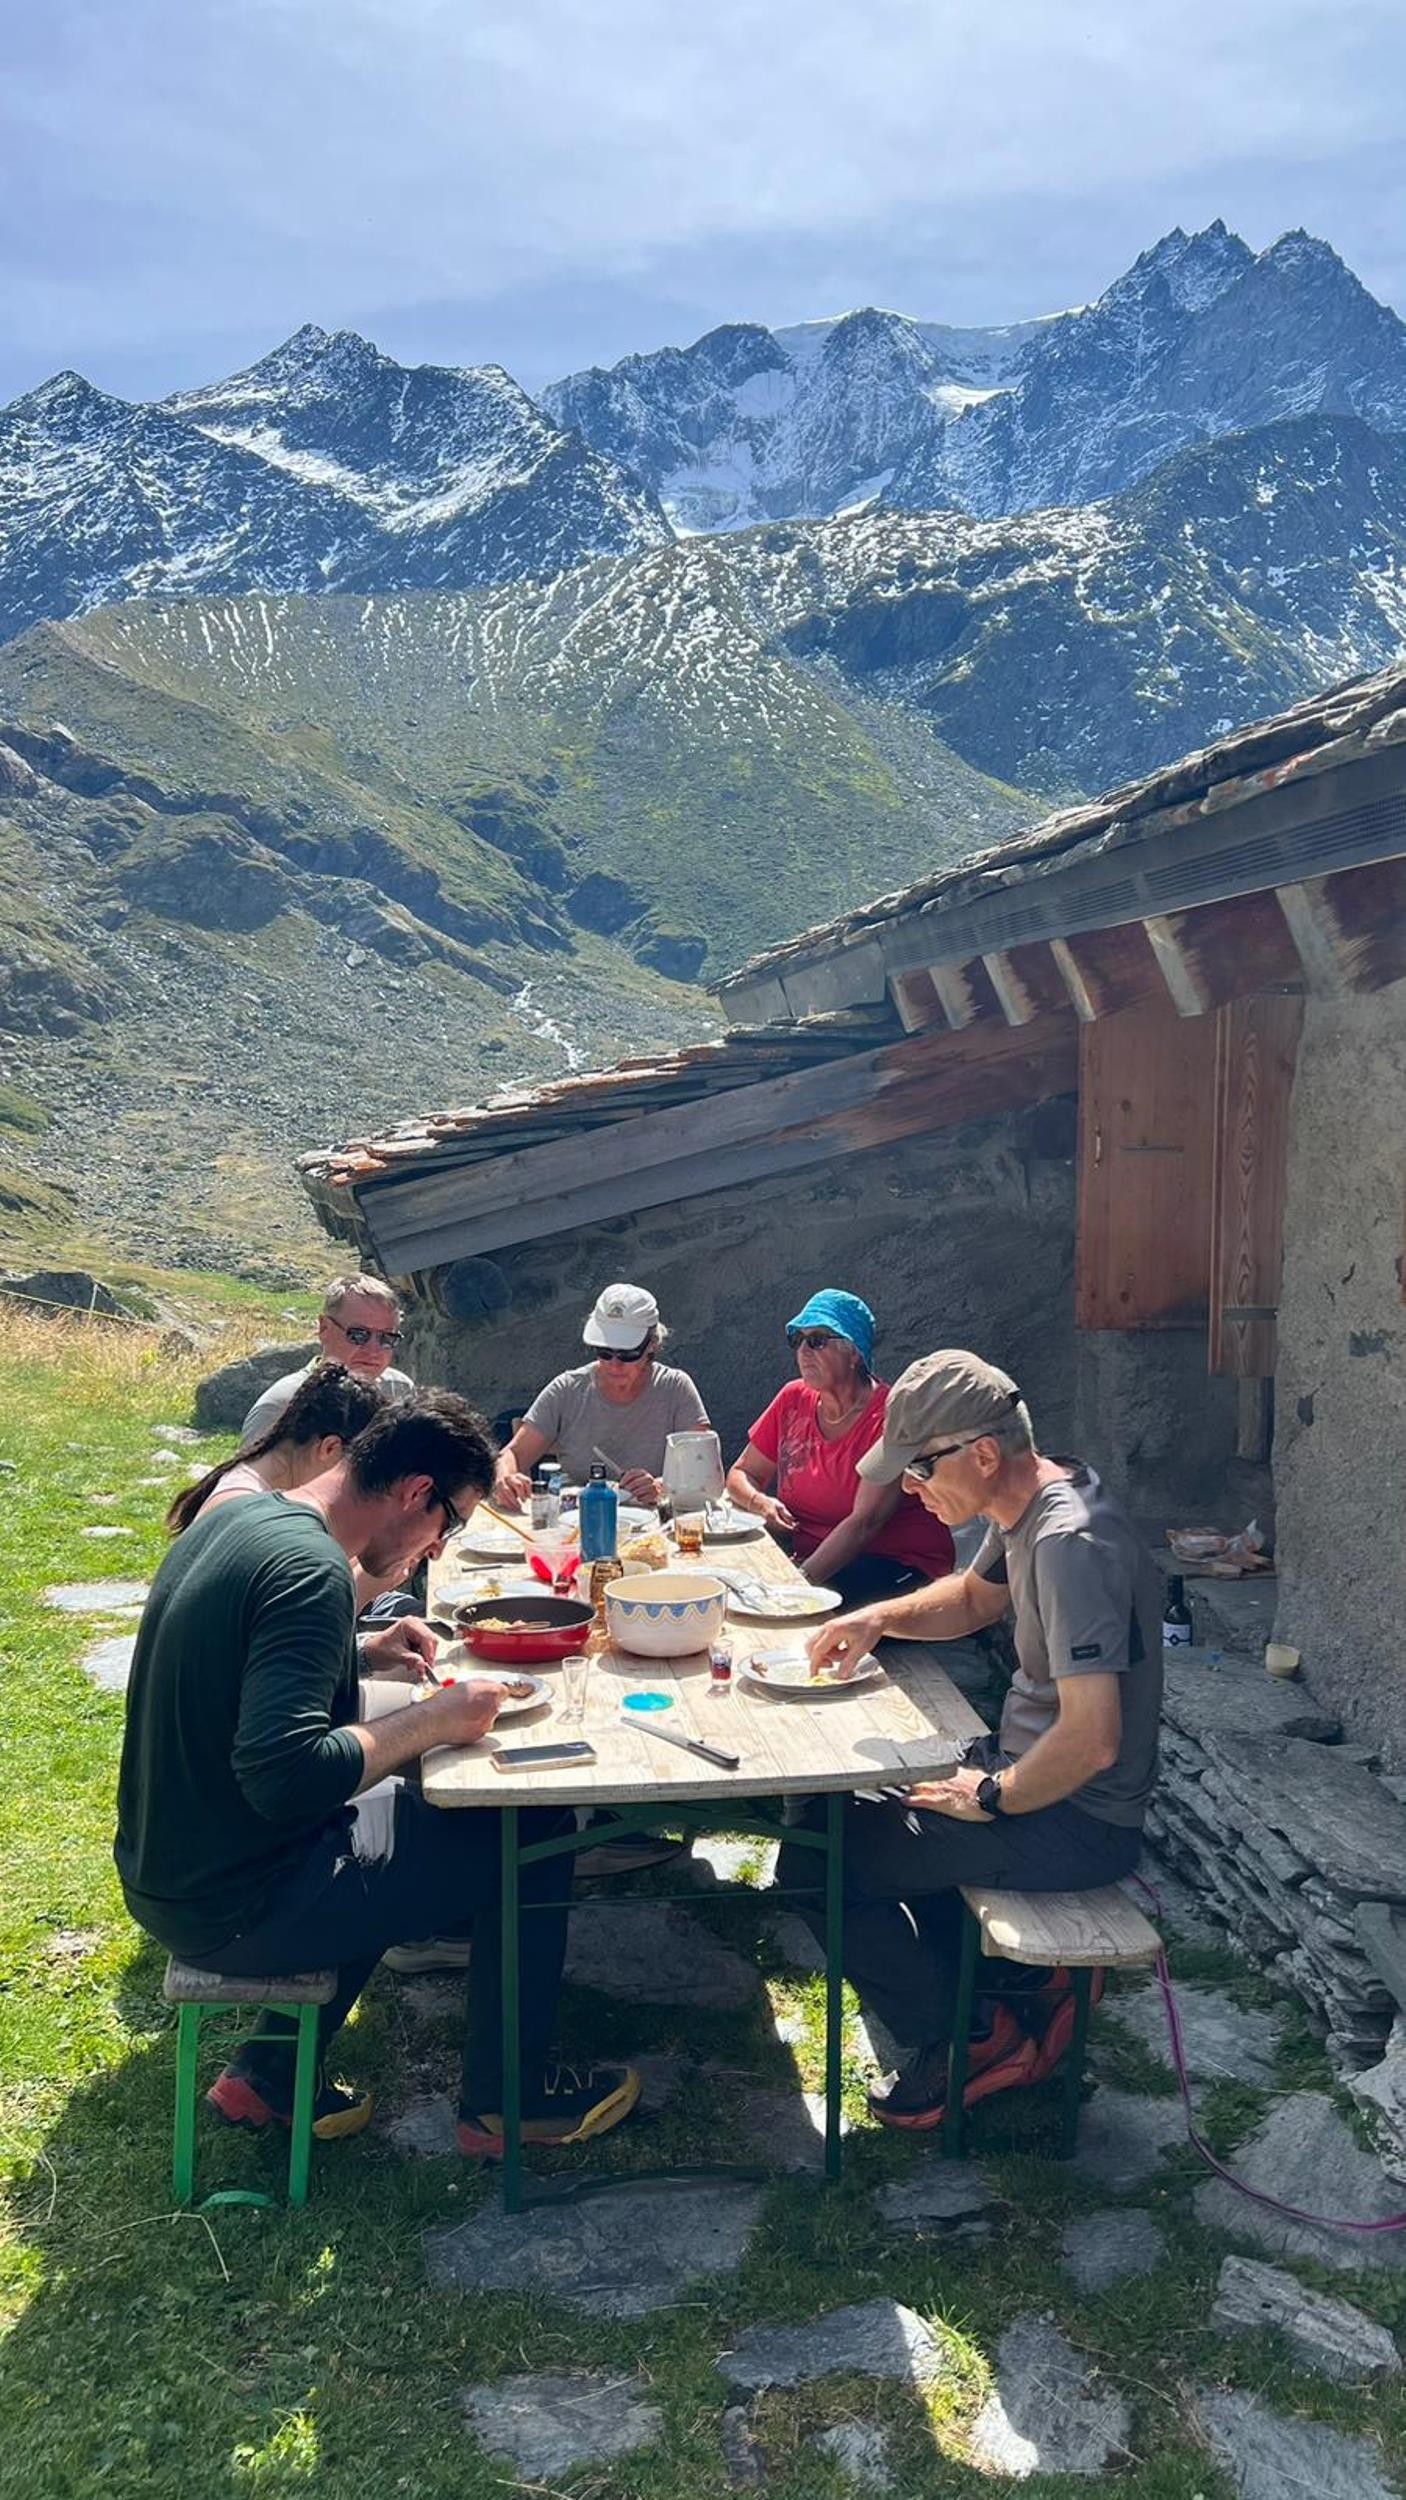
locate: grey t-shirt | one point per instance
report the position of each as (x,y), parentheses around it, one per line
(575,1420)
(270,1402)
(1086,1602)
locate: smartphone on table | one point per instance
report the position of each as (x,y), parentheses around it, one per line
(542,1757)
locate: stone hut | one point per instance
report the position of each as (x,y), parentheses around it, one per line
(1120,1103)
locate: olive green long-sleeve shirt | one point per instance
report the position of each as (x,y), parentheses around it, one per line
(238,1748)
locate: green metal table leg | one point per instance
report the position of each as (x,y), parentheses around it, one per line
(512,2027)
(954,2124)
(187,2063)
(1074,2064)
(834,1976)
(304,2095)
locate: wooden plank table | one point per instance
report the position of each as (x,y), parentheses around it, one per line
(910,1726)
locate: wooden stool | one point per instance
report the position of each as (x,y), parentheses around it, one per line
(200,1992)
(1082,1931)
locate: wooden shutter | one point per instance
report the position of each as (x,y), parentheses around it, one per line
(1146,1105)
(1257,1042)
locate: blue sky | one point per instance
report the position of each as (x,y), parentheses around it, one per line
(549,183)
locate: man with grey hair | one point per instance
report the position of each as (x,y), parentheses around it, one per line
(359,1326)
(1054,1802)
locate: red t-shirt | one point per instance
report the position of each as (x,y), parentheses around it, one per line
(817,1480)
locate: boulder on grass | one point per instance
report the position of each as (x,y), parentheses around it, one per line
(223,1398)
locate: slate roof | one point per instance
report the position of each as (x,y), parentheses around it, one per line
(1348,722)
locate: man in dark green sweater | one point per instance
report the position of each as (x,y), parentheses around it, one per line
(261,1827)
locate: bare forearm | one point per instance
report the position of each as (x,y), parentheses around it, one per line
(1058,1762)
(401,1737)
(940,1612)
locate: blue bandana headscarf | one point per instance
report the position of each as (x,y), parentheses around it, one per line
(845,1314)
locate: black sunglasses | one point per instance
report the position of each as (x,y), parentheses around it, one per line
(454,1518)
(811,1338)
(364,1336)
(922,1467)
(619,1354)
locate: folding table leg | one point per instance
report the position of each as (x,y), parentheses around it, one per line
(834,1975)
(512,2027)
(954,2123)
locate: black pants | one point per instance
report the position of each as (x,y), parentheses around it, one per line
(403,1867)
(871,1577)
(902,1908)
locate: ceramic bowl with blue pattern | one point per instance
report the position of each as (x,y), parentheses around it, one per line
(665,1614)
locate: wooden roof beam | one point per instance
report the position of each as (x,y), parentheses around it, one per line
(1186,986)
(1368,906)
(1317,937)
(1106,970)
(916,1002)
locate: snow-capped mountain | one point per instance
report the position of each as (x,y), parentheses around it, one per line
(1201,338)
(752,425)
(324,466)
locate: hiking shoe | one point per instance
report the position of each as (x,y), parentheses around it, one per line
(241,2100)
(916,2097)
(431,1953)
(1053,2010)
(572,2103)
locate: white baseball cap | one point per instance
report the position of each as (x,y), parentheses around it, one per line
(622,1318)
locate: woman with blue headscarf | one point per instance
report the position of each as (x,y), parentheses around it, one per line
(799,1470)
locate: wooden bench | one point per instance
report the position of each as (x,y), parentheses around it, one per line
(196,1993)
(1083,1932)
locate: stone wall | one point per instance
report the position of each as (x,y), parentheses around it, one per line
(965,1237)
(1340,1433)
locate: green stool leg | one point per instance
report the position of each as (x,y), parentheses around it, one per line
(304,2096)
(834,1976)
(955,2123)
(187,2063)
(1074,2064)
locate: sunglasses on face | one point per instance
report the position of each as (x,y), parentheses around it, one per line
(810,1339)
(921,1468)
(371,1336)
(454,1518)
(618,1354)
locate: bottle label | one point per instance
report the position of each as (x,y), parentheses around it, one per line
(1176,1636)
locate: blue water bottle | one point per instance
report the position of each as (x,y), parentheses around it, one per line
(599,1516)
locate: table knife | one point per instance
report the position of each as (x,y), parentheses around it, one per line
(686,1744)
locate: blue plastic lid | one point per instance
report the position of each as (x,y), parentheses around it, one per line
(648,1701)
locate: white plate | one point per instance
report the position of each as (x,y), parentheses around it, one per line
(782,1605)
(456,1665)
(486,1584)
(733,1529)
(788,1673)
(488,1544)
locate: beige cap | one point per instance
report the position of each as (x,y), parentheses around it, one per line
(623,1317)
(941,1396)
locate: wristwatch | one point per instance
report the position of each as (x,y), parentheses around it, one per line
(988,1793)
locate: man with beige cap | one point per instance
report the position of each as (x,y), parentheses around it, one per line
(1055,1801)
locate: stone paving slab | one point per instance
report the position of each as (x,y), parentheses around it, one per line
(871,2339)
(939,2197)
(181,1434)
(1050,2411)
(717,1859)
(1269,2457)
(797,1945)
(1123,2137)
(653,1953)
(861,2451)
(108,1663)
(1304,2155)
(1224,2042)
(1099,2250)
(1331,2336)
(96,1597)
(623,2253)
(546,2424)
(786,2130)
(105,1535)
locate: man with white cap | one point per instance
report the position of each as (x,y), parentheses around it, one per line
(621,1405)
(1055,1801)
